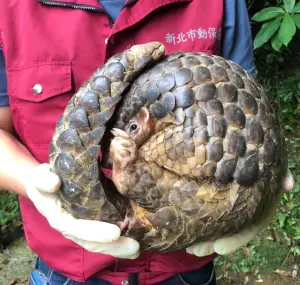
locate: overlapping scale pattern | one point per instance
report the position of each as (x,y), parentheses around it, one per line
(213,166)
(75,148)
(216,160)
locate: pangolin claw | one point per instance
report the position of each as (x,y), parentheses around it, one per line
(119,133)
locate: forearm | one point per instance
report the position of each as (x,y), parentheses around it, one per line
(15,159)
(15,164)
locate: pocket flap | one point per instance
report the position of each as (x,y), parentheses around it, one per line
(41,81)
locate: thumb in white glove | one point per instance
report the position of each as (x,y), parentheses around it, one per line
(94,236)
(230,244)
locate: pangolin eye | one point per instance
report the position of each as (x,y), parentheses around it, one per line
(133,127)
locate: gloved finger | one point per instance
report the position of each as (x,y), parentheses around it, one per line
(124,247)
(87,230)
(133,256)
(45,180)
(201,249)
(289,182)
(230,244)
(44,202)
(50,207)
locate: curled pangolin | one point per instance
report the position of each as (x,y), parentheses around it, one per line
(196,151)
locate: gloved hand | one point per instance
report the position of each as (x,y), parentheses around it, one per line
(95,236)
(230,244)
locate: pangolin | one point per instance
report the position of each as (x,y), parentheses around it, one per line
(196,151)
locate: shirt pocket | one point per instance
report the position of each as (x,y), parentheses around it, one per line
(38,96)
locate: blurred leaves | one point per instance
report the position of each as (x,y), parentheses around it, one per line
(267,13)
(267,31)
(9,208)
(279,23)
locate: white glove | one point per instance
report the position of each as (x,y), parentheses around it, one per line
(230,244)
(95,236)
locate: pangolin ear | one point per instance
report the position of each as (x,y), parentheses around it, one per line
(143,115)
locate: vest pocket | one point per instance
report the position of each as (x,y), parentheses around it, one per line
(38,96)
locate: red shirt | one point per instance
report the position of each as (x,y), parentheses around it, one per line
(59,46)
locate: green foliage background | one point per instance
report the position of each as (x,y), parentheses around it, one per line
(276,33)
(276,39)
(275,29)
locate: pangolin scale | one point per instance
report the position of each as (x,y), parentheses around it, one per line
(210,163)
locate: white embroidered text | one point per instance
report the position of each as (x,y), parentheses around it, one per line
(192,35)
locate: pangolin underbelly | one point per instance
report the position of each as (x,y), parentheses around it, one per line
(211,166)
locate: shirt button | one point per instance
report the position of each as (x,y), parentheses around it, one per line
(37,88)
(106,40)
(124,282)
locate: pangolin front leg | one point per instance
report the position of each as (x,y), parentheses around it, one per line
(124,154)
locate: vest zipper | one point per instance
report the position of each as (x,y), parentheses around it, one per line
(130,2)
(134,279)
(77,6)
